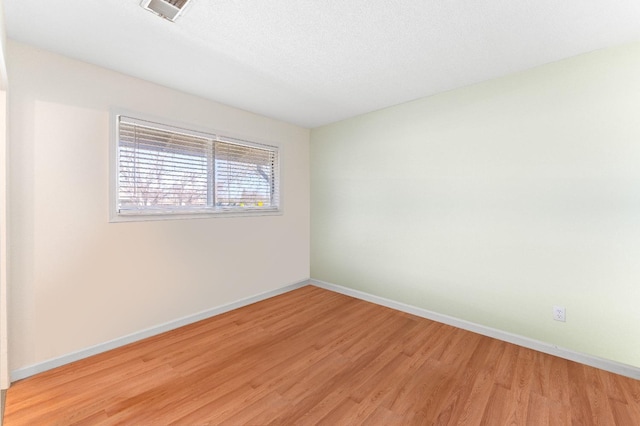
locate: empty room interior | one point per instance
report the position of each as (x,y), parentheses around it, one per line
(320,212)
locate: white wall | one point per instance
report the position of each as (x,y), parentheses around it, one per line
(78,280)
(4,244)
(495,202)
(4,165)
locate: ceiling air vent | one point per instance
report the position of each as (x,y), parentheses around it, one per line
(168,9)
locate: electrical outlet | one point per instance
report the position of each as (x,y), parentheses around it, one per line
(559,313)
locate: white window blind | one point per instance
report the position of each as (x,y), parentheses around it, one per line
(165,170)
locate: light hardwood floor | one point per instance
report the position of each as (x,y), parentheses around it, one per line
(312,356)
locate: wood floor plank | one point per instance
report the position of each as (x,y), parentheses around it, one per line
(522,387)
(507,366)
(497,408)
(598,399)
(475,391)
(631,389)
(312,356)
(559,388)
(538,411)
(581,410)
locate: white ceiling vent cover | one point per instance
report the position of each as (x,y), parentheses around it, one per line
(168,9)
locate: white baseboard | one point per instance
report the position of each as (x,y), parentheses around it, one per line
(604,364)
(40,367)
(593,361)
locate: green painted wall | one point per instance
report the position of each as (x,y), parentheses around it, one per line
(494,202)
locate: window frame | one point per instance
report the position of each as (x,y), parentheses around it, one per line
(115,215)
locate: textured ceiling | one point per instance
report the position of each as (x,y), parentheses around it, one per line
(315,62)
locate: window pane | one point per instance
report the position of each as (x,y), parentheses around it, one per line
(156,178)
(161,169)
(244,176)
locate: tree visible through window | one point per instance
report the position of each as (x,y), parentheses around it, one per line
(163,169)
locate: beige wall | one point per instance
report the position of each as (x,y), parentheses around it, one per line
(4,165)
(495,202)
(4,244)
(78,280)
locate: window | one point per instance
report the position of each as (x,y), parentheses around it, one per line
(165,170)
